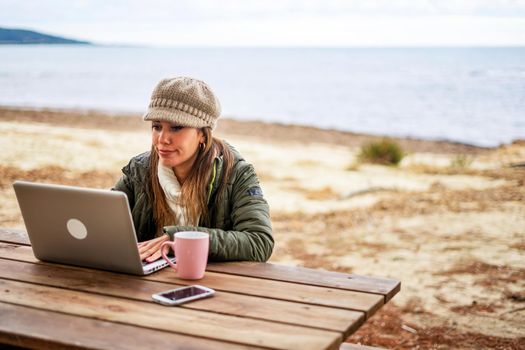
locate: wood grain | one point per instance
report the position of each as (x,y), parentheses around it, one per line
(17,252)
(40,329)
(14,236)
(172,319)
(334,319)
(46,305)
(314,295)
(382,286)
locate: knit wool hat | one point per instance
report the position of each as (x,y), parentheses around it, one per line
(184,101)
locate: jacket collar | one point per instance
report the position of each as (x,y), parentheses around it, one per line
(215,177)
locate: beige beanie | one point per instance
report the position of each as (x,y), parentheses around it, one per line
(184,101)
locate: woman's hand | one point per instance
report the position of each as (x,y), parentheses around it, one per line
(150,250)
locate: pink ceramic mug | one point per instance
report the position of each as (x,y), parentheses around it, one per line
(191,251)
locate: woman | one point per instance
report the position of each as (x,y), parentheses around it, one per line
(191,180)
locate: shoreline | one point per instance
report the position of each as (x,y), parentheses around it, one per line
(95,119)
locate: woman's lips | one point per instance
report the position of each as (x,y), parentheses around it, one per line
(164,153)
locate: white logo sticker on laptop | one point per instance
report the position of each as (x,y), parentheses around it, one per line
(76,228)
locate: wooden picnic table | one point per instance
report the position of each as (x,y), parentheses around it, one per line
(256,305)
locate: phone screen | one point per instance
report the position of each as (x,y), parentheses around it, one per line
(183,293)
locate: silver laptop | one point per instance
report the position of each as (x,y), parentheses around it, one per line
(81,226)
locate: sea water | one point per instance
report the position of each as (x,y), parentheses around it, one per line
(469,95)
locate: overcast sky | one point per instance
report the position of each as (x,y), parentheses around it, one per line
(275,22)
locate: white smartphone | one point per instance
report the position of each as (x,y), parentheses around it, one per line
(182,295)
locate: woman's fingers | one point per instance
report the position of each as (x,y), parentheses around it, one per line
(145,255)
(150,250)
(154,256)
(150,253)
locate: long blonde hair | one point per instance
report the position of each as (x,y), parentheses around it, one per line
(195,189)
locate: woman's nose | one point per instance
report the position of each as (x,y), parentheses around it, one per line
(164,137)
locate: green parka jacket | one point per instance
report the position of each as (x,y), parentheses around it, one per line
(240,227)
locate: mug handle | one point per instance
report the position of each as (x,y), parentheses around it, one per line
(172,246)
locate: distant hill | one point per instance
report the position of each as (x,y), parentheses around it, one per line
(21,36)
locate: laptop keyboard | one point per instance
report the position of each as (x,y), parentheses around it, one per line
(156,265)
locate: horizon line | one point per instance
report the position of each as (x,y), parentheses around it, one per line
(291,46)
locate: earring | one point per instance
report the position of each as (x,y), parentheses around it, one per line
(202,145)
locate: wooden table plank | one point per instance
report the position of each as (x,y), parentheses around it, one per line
(340,320)
(14,236)
(33,328)
(17,252)
(174,319)
(383,286)
(367,303)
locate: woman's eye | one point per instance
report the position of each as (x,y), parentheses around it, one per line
(177,128)
(156,127)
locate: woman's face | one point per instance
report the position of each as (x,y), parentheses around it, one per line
(177,146)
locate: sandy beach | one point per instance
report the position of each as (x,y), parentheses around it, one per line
(449,221)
